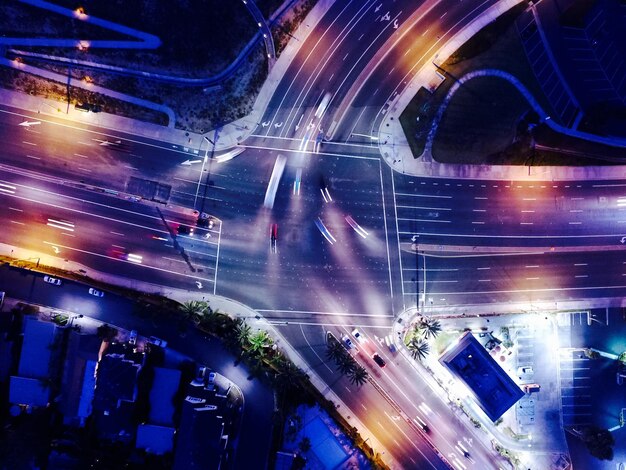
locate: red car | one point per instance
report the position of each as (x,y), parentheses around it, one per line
(273,237)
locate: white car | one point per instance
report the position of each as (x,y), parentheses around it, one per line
(358,336)
(52,280)
(96,292)
(347,342)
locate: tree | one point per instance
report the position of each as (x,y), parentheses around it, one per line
(345,364)
(358,376)
(334,350)
(259,342)
(106,332)
(305,445)
(419,348)
(431,327)
(599,442)
(242,332)
(194,310)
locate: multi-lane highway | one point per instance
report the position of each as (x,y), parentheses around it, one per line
(388,241)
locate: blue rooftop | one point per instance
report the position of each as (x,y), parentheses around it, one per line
(494,391)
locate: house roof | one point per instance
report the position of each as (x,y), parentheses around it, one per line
(154,439)
(26,391)
(36,349)
(116,380)
(199,442)
(164,387)
(494,391)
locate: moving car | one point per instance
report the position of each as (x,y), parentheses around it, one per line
(96,292)
(421,424)
(273,237)
(358,336)
(297,182)
(185,230)
(52,280)
(324,190)
(379,360)
(347,342)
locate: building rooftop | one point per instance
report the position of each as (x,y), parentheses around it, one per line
(494,391)
(154,439)
(36,348)
(164,387)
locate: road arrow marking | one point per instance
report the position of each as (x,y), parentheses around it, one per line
(265,124)
(29,123)
(55,249)
(395,24)
(199,284)
(378,8)
(278,124)
(386,17)
(299,120)
(189,162)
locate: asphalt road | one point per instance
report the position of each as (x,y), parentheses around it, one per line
(81,175)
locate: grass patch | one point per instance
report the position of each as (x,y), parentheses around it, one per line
(443,340)
(480,120)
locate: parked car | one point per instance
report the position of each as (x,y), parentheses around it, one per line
(96,292)
(211,380)
(379,360)
(132,338)
(52,280)
(157,341)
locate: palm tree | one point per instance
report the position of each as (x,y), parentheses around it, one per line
(242,332)
(345,364)
(358,376)
(258,342)
(419,348)
(431,327)
(334,350)
(194,310)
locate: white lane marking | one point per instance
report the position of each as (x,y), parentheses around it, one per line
(575,223)
(526,223)
(480,198)
(527,212)
(174,259)
(482,269)
(582,275)
(16,209)
(345,56)
(16,222)
(29,143)
(33,157)
(529,199)
(119,246)
(155,268)
(479,210)
(532,278)
(533,266)
(84,169)
(84,143)
(118,233)
(580,264)
(81,155)
(484,280)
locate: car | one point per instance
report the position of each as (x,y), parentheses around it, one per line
(297,182)
(525,370)
(211,380)
(379,360)
(347,342)
(358,336)
(52,280)
(157,341)
(324,190)
(185,230)
(464,450)
(201,374)
(132,337)
(273,237)
(96,292)
(421,424)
